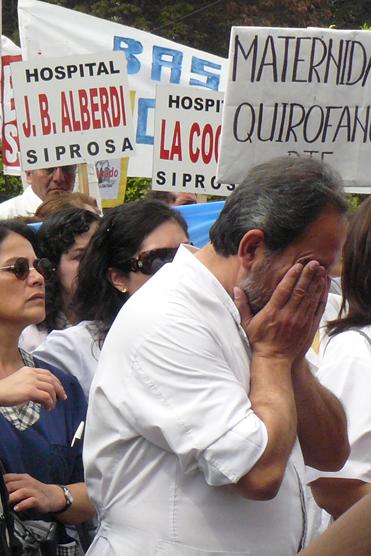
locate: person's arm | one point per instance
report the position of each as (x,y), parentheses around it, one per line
(336,496)
(350,535)
(322,426)
(278,334)
(272,400)
(28,383)
(25,493)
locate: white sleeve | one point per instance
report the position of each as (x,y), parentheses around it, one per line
(187,400)
(346,370)
(71,352)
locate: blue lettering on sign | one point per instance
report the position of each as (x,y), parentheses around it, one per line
(144,106)
(159,61)
(130,47)
(212,79)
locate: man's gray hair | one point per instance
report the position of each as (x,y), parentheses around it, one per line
(281,197)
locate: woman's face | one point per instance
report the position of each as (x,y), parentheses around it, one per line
(22,301)
(168,234)
(69,263)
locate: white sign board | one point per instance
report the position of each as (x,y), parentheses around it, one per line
(298,92)
(72,110)
(10,53)
(187,132)
(50,30)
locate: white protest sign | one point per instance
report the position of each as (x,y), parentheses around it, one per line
(298,92)
(187,133)
(50,30)
(72,109)
(10,53)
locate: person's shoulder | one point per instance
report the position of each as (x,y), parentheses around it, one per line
(71,334)
(7,207)
(355,342)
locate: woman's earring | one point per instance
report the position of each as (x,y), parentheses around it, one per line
(124,290)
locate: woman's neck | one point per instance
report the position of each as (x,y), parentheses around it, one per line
(10,358)
(67,309)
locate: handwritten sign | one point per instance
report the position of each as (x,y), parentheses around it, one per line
(298,92)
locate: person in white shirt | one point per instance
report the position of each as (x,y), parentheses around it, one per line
(203,410)
(131,243)
(60,178)
(345,369)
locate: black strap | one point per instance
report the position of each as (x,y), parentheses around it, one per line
(9,546)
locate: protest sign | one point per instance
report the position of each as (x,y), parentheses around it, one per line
(10,53)
(72,110)
(298,92)
(50,30)
(187,133)
(112,181)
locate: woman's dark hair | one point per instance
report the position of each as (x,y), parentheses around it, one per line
(356,273)
(55,237)
(118,238)
(20,228)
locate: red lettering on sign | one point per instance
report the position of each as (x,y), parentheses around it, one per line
(26,126)
(104,106)
(176,146)
(84,110)
(194,153)
(46,124)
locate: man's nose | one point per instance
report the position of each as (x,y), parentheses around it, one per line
(58,175)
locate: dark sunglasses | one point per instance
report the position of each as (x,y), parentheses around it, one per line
(21,268)
(150,262)
(69,170)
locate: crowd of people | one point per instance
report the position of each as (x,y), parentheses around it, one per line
(159,399)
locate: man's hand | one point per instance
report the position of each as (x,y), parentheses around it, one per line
(25,493)
(285,327)
(28,383)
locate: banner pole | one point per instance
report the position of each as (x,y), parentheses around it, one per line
(83,178)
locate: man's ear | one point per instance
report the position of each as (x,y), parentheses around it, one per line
(117,280)
(251,246)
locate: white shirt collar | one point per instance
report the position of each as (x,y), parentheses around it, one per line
(185,255)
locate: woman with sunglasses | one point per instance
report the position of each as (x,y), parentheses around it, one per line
(44,406)
(63,239)
(132,242)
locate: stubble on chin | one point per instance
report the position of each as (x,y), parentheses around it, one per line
(255,287)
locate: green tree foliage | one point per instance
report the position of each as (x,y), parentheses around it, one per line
(137,188)
(206,25)
(350,14)
(9,185)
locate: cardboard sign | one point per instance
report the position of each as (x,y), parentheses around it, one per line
(50,30)
(298,92)
(187,133)
(72,110)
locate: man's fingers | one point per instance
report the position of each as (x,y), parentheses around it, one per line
(285,288)
(307,286)
(241,302)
